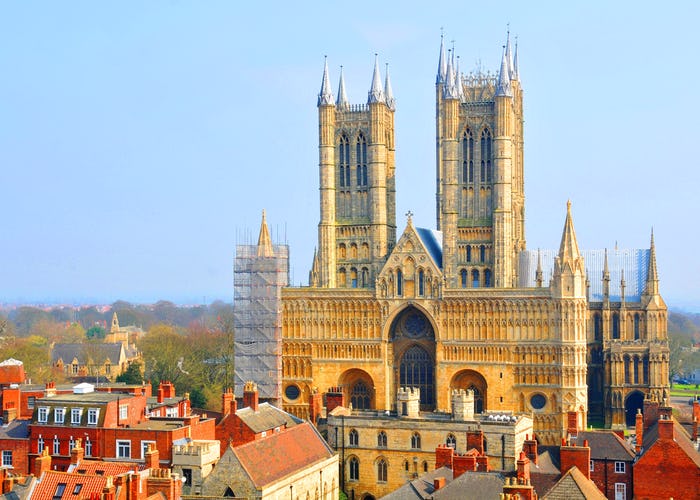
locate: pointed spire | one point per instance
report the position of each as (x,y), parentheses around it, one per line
(568,249)
(458,82)
(115,323)
(509,56)
(442,64)
(450,89)
(652,285)
(606,277)
(313,274)
(538,272)
(515,75)
(264,240)
(376,93)
(342,101)
(503,85)
(325,97)
(388,92)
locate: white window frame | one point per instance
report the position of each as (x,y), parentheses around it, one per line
(620,468)
(7,458)
(59,415)
(93,416)
(76,412)
(88,447)
(123,445)
(31,401)
(620,490)
(43,414)
(56,446)
(123,412)
(591,465)
(171,411)
(144,447)
(40,444)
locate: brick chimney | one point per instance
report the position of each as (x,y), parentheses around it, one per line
(665,410)
(639,431)
(77,453)
(523,467)
(152,457)
(443,456)
(475,439)
(530,448)
(42,463)
(50,389)
(315,406)
(650,412)
(482,463)
(334,398)
(462,464)
(109,491)
(168,389)
(9,414)
(580,456)
(250,395)
(665,429)
(438,482)
(572,423)
(226,399)
(161,393)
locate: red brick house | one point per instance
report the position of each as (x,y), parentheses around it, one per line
(254,421)
(611,460)
(14,447)
(669,464)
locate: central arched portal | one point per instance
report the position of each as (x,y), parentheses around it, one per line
(474,381)
(414,354)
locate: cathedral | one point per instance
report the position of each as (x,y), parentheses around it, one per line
(465,305)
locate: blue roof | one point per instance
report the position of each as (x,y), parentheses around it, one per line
(432,240)
(634,263)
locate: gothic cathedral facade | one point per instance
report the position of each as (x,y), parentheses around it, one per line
(464,306)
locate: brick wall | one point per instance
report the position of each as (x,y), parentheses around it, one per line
(20,454)
(605,471)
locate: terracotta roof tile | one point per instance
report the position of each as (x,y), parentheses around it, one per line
(280,454)
(102,468)
(50,481)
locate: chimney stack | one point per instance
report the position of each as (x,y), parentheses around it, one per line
(77,453)
(639,430)
(250,395)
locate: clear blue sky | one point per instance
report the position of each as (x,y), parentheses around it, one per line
(139,141)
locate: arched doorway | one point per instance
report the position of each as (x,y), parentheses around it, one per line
(633,402)
(358,389)
(470,379)
(414,354)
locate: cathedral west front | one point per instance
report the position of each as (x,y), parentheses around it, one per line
(464,305)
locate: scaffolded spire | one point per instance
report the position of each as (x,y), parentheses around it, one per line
(458,82)
(509,57)
(442,67)
(376,93)
(515,75)
(264,241)
(503,86)
(325,97)
(538,272)
(342,101)
(388,92)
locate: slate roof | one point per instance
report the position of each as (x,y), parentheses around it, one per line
(546,473)
(432,240)
(272,458)
(49,481)
(67,352)
(572,486)
(606,444)
(470,485)
(265,418)
(17,429)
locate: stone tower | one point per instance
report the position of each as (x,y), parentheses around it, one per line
(357,228)
(480,189)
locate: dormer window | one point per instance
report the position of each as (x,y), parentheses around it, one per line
(93,415)
(59,415)
(75,414)
(43,415)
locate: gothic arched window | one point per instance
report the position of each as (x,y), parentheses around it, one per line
(451,441)
(354,438)
(487,277)
(636,326)
(486,175)
(399,282)
(469,253)
(416,370)
(341,277)
(381,439)
(467,157)
(475,278)
(597,327)
(360,397)
(415,441)
(353,277)
(463,276)
(354,466)
(615,326)
(381,470)
(365,277)
(482,253)
(421,283)
(344,161)
(361,157)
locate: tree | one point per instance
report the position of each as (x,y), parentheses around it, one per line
(96,332)
(164,352)
(132,375)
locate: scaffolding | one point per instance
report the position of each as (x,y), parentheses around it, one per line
(259,274)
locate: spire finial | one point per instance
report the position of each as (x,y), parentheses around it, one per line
(442,62)
(450,88)
(409,218)
(325,97)
(652,285)
(376,93)
(515,75)
(503,88)
(264,240)
(388,92)
(342,101)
